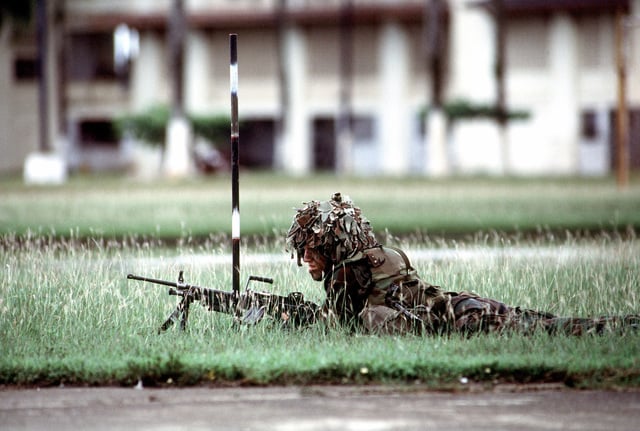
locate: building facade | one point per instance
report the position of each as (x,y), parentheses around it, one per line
(335,85)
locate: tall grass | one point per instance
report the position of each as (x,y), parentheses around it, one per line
(68,315)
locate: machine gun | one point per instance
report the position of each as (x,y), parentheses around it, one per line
(248,307)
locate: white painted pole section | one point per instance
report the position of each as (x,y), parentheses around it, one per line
(235,224)
(233,78)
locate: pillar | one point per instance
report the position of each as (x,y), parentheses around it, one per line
(472,54)
(563,115)
(146,73)
(295,149)
(394,114)
(197,75)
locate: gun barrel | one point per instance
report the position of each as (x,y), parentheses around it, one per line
(152,280)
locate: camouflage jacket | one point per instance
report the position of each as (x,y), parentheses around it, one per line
(379,290)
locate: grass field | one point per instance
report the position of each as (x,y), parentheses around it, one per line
(68,314)
(114,207)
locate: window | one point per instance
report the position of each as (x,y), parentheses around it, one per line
(97,133)
(256,142)
(25,69)
(589,125)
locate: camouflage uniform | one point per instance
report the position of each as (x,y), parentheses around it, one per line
(376,288)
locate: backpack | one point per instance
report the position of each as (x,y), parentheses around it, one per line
(389,265)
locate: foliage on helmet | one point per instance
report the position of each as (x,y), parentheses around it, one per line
(335,228)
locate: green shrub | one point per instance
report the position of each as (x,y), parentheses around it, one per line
(151,125)
(463,109)
(214,129)
(460,109)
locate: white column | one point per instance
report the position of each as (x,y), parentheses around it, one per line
(197,60)
(147,73)
(563,115)
(49,167)
(177,154)
(296,147)
(436,143)
(149,88)
(475,144)
(394,114)
(472,54)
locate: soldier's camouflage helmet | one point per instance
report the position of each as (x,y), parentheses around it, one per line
(335,228)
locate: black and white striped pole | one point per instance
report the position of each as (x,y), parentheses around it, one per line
(235,189)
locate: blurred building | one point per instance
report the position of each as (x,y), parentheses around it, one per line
(313,69)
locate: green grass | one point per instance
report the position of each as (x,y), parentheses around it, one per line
(68,314)
(116,207)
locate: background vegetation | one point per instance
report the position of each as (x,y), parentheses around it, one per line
(151,126)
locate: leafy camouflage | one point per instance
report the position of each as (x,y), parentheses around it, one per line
(335,228)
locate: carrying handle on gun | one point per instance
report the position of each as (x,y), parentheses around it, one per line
(251,278)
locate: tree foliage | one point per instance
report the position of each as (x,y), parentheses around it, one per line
(151,125)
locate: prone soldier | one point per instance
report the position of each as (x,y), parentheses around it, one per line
(376,288)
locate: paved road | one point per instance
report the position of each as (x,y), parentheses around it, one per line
(315,408)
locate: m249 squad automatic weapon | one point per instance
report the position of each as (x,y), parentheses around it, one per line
(248,307)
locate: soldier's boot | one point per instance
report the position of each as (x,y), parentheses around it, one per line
(596,326)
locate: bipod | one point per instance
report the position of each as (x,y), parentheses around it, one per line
(182,309)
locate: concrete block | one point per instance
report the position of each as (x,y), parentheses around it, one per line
(45,168)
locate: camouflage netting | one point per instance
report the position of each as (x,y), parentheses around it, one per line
(335,228)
